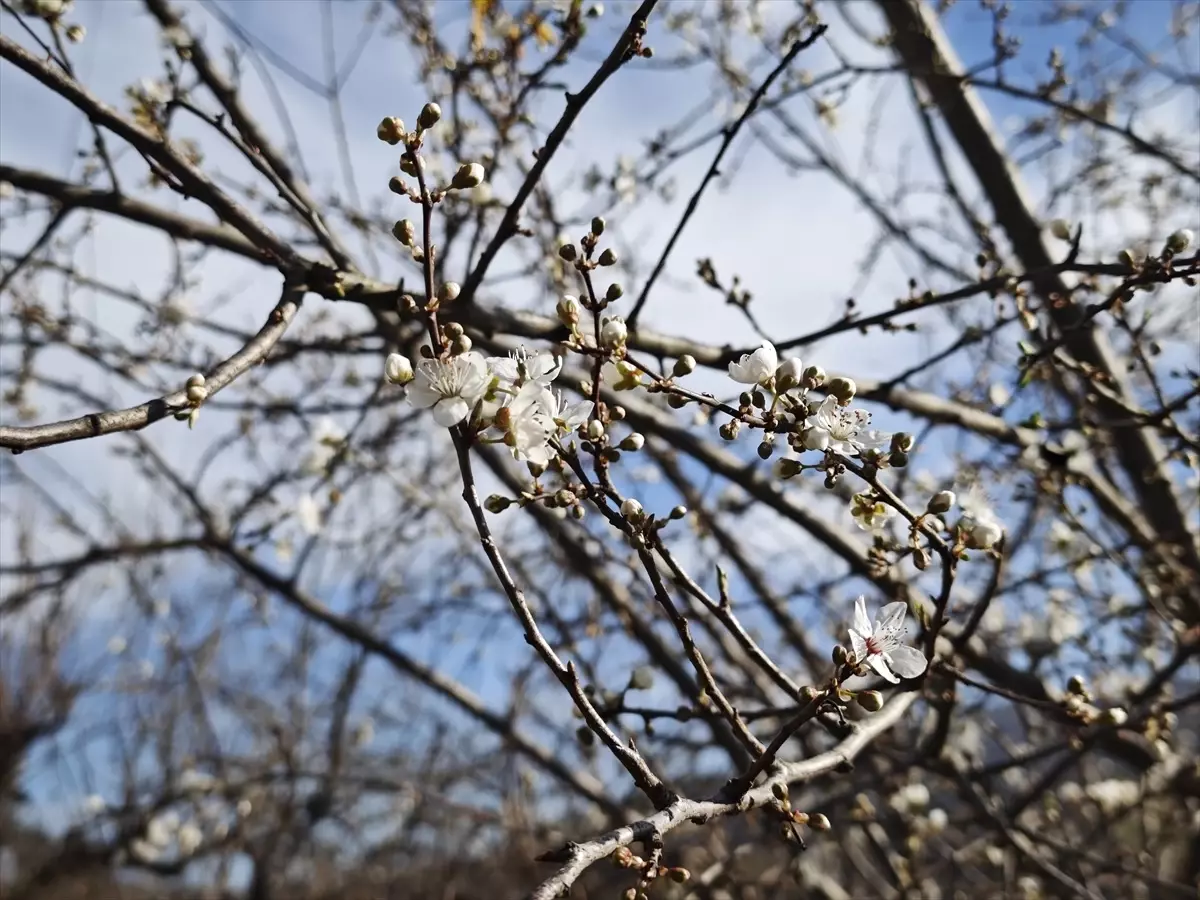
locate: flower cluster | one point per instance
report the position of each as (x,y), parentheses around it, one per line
(510,394)
(828,425)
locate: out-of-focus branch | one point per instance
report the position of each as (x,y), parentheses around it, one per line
(19,439)
(195,183)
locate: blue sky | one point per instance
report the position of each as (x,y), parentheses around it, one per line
(796,240)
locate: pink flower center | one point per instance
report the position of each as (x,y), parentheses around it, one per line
(874,647)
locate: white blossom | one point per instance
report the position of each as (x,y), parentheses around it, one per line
(878,645)
(979,519)
(308,514)
(757,367)
(566,418)
(527,427)
(614,332)
(910,798)
(190,838)
(161,829)
(144,851)
(842,430)
(451,387)
(327,438)
(517,368)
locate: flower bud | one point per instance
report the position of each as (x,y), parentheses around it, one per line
(197,393)
(788,375)
(397,186)
(840,655)
(410,164)
(800,818)
(469,175)
(898,460)
(404,232)
(843,389)
(196,380)
(678,512)
(1180,240)
(1076,685)
(614,292)
(613,332)
(391,130)
(567,252)
(765,449)
(780,790)
(449,292)
(787,468)
(430,114)
(984,534)
(568,312)
(497,503)
(729,431)
(1116,716)
(871,701)
(1127,258)
(633,442)
(642,679)
(608,258)
(678,874)
(76,34)
(685,365)
(598,226)
(398,369)
(631,509)
(814,376)
(595,429)
(1061,229)
(902,442)
(461,344)
(941,502)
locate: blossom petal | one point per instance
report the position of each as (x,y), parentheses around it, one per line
(890,619)
(503,367)
(862,624)
(908,662)
(450,411)
(543,368)
(858,643)
(816,439)
(879,664)
(421,395)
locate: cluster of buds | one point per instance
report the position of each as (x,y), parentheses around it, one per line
(625,858)
(391,131)
(197,392)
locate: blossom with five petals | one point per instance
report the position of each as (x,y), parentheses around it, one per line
(878,645)
(451,387)
(519,367)
(842,430)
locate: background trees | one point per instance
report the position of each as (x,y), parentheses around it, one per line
(265,655)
